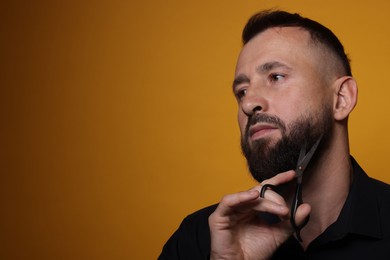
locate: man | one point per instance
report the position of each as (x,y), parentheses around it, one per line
(295,90)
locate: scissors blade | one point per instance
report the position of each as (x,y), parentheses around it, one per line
(303,161)
(304,158)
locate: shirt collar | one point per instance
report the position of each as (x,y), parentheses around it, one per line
(361,215)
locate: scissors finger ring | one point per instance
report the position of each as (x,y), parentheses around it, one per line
(264,188)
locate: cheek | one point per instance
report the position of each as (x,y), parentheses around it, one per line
(287,112)
(295,104)
(242,121)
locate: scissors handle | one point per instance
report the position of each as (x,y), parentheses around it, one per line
(297,200)
(265,187)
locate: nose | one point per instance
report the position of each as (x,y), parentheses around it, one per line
(253,102)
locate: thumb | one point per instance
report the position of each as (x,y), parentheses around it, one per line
(302,213)
(301,219)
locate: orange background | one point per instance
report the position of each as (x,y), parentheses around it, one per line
(117,117)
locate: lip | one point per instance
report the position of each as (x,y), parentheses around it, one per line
(260,130)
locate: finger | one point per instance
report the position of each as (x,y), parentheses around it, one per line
(278,208)
(232,202)
(302,213)
(248,201)
(270,194)
(281,178)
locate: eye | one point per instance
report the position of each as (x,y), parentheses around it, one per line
(276,77)
(241,93)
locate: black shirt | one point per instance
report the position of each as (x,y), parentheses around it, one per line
(362,230)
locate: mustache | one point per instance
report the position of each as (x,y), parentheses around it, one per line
(263,118)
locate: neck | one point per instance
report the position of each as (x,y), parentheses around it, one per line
(325,187)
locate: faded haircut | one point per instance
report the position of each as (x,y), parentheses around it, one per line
(319,34)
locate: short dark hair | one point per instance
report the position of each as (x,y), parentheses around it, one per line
(268,19)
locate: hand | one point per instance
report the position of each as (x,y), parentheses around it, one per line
(236,230)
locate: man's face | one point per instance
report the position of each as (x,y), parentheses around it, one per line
(283,99)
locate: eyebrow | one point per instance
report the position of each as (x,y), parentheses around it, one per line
(266,67)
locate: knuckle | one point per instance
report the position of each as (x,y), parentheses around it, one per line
(225,199)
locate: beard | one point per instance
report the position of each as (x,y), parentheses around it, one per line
(266,160)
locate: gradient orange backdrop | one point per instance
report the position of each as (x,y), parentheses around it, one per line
(117,117)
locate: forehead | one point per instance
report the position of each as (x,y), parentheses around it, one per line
(283,44)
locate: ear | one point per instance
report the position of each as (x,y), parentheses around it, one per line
(345,97)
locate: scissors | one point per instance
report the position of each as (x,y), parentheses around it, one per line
(303,161)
